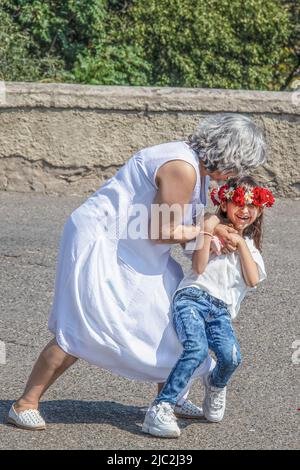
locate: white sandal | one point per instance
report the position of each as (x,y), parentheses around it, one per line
(27,419)
(188,410)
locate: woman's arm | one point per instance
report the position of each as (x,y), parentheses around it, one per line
(176,181)
(201,256)
(249,266)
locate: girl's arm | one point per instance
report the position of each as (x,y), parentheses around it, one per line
(201,256)
(249,266)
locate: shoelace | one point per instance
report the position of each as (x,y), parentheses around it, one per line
(217,399)
(167,412)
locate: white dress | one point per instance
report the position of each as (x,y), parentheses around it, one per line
(112,296)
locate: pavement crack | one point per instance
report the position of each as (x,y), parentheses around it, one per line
(4,255)
(39,264)
(17,343)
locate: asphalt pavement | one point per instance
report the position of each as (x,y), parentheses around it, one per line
(89,408)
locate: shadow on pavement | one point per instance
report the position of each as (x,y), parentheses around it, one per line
(127,417)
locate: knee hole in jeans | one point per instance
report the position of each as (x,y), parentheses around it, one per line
(231,358)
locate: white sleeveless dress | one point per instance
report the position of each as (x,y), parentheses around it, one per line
(112,296)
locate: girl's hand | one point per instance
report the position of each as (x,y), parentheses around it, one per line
(223,232)
(236,239)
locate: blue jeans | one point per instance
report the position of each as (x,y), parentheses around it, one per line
(201,322)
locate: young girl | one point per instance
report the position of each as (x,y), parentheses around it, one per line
(206,300)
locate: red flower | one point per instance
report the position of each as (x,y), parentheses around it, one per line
(213,197)
(221,194)
(257,196)
(262,197)
(269,198)
(238,197)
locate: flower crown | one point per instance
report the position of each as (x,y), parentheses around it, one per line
(242,195)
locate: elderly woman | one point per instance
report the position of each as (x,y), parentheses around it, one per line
(115,280)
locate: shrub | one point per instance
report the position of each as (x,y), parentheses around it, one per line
(251,44)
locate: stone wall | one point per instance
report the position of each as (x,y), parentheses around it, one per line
(60,138)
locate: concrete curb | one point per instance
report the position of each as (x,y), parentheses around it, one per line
(126,98)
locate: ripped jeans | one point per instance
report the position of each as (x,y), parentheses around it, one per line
(201,322)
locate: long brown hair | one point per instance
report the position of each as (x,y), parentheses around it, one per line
(255,230)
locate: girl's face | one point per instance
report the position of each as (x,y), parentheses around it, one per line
(241,217)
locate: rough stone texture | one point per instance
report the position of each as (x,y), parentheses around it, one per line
(59,138)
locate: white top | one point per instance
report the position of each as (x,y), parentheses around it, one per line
(112,295)
(223,277)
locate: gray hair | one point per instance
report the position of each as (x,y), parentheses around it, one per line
(229,142)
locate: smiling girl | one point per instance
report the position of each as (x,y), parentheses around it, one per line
(209,297)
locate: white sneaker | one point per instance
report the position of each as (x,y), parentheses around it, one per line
(188,410)
(27,419)
(160,421)
(214,403)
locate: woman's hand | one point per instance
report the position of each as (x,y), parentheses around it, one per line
(224,232)
(211,222)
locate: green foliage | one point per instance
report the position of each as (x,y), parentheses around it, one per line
(221,44)
(293,75)
(251,44)
(112,65)
(57,32)
(16,61)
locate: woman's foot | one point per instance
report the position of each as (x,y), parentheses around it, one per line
(22,405)
(29,418)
